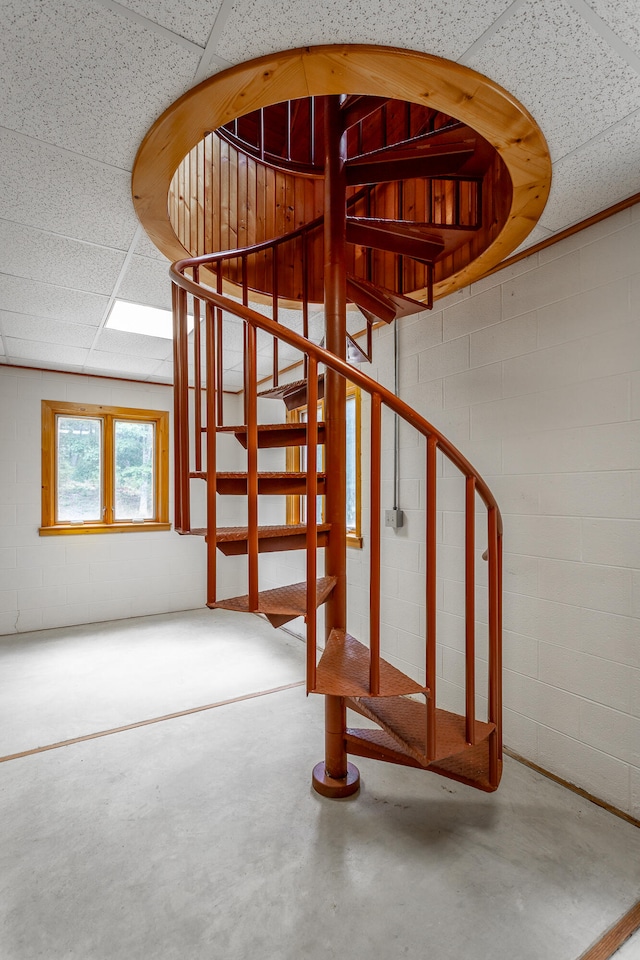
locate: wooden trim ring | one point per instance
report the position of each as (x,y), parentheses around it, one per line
(357,69)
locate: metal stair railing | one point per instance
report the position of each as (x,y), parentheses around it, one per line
(215,303)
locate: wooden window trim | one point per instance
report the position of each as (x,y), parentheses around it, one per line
(160,418)
(293,465)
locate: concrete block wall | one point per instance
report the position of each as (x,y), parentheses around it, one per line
(58,581)
(534,374)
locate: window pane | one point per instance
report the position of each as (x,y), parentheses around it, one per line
(79,469)
(351,463)
(303,467)
(133,470)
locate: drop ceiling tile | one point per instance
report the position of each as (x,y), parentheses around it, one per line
(37,255)
(134,344)
(85,78)
(47,300)
(232,335)
(147,281)
(45,187)
(621,16)
(145,248)
(192,19)
(164,372)
(538,234)
(442,27)
(49,352)
(46,330)
(233,380)
(120,363)
(595,177)
(567,76)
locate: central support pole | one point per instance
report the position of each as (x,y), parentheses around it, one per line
(335,777)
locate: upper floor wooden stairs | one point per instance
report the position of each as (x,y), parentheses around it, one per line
(367,258)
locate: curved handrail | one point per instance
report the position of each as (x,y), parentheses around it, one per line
(351,373)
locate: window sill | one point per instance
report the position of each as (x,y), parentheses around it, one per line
(353,541)
(65,529)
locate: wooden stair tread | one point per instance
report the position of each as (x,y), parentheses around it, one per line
(269,483)
(275,434)
(290,600)
(405,721)
(343,671)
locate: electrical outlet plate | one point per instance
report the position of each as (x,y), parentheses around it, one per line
(393,518)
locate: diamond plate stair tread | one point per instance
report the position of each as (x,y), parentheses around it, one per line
(378,745)
(291,600)
(343,671)
(275,434)
(225,534)
(293,394)
(268,483)
(470,767)
(405,721)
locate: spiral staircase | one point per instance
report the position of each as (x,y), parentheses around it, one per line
(365,203)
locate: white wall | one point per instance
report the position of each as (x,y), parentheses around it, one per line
(56,581)
(533,373)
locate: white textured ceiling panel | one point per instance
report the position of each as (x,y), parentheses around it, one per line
(82,81)
(443,27)
(621,16)
(164,372)
(50,352)
(147,281)
(134,344)
(552,60)
(98,360)
(192,19)
(46,300)
(612,161)
(42,186)
(21,327)
(38,255)
(145,248)
(78,75)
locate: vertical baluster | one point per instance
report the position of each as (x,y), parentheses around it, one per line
(470,612)
(261,133)
(374,573)
(499,649)
(305,301)
(494,641)
(181,414)
(245,296)
(177,408)
(210,360)
(288,129)
(274,297)
(251,388)
(184,425)
(219,352)
(431,477)
(312,514)
(312,131)
(197,360)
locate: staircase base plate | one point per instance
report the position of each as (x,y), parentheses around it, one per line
(334,789)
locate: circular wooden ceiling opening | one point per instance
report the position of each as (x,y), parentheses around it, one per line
(445,170)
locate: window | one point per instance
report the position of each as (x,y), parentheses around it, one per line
(104,469)
(296,461)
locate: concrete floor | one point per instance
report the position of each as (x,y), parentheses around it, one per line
(200,836)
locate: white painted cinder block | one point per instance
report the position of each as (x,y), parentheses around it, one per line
(581,764)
